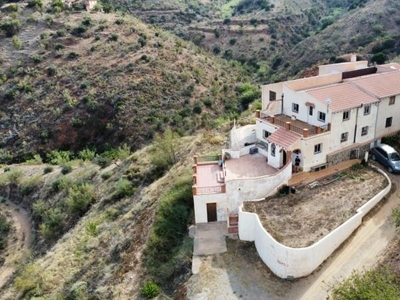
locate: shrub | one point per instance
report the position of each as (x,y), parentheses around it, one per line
(16,42)
(150,290)
(66,169)
(124,188)
(79,198)
(91,228)
(60,32)
(59,157)
(37,58)
(119,21)
(87,154)
(10,27)
(47,170)
(5,228)
(380,283)
(113,37)
(14,177)
(37,4)
(106,175)
(72,55)
(52,223)
(60,184)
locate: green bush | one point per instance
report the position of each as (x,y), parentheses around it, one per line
(124,188)
(150,290)
(47,170)
(5,228)
(79,198)
(66,169)
(174,213)
(10,27)
(61,183)
(375,284)
(87,154)
(106,175)
(59,157)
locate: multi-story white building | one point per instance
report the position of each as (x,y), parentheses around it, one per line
(335,116)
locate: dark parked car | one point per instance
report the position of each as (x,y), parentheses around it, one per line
(387,156)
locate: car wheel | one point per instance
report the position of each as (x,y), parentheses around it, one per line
(373,157)
(390,170)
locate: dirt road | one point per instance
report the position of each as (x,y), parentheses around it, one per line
(19,240)
(240,273)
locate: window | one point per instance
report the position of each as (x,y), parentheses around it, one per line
(346,115)
(364,130)
(273,148)
(367,109)
(392,100)
(295,107)
(388,122)
(272,96)
(317,148)
(344,136)
(321,116)
(310,110)
(266,134)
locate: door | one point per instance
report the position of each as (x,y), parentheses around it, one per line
(211,212)
(284,159)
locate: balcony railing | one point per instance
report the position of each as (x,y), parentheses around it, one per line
(208,158)
(208,190)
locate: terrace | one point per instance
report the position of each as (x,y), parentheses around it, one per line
(248,166)
(293,124)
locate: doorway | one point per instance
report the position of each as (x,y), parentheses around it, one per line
(211,212)
(284,158)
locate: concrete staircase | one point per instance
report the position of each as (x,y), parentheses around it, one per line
(233,225)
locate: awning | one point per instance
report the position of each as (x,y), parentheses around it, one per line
(284,138)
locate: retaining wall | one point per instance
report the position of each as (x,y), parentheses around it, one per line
(287,262)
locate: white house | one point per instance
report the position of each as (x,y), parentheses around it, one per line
(323,120)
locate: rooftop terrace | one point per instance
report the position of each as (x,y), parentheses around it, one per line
(248,166)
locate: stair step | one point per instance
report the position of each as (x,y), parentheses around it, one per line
(233,224)
(233,229)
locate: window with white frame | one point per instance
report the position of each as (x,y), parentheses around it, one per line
(266,133)
(388,122)
(321,116)
(344,136)
(392,100)
(367,109)
(295,107)
(346,115)
(317,148)
(364,130)
(273,149)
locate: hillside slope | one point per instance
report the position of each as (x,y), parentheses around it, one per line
(75,80)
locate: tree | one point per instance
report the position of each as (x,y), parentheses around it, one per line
(164,151)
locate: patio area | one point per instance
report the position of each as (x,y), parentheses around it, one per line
(207,175)
(248,166)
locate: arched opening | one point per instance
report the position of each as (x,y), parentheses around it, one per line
(297,161)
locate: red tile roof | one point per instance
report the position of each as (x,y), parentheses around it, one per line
(380,85)
(284,138)
(342,96)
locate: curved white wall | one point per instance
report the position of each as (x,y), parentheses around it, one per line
(287,262)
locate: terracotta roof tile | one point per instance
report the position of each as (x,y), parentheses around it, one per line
(343,96)
(381,85)
(284,138)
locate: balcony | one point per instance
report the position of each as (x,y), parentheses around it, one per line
(294,125)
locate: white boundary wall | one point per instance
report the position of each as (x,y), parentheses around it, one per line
(287,262)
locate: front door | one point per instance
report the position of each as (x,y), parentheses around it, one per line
(284,158)
(211,212)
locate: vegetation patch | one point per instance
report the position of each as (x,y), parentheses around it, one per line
(167,251)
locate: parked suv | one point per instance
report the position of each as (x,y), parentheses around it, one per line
(387,156)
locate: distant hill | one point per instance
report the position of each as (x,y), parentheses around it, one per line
(90,79)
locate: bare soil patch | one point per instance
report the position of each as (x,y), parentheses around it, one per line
(301,219)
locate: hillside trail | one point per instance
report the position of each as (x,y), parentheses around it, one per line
(227,276)
(20,239)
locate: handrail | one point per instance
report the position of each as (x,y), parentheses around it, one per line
(209,190)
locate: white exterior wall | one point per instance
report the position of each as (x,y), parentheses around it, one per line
(298,262)
(342,67)
(366,120)
(239,190)
(275,87)
(338,126)
(303,115)
(261,126)
(200,206)
(385,111)
(307,150)
(241,135)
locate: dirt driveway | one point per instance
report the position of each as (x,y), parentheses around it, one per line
(241,274)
